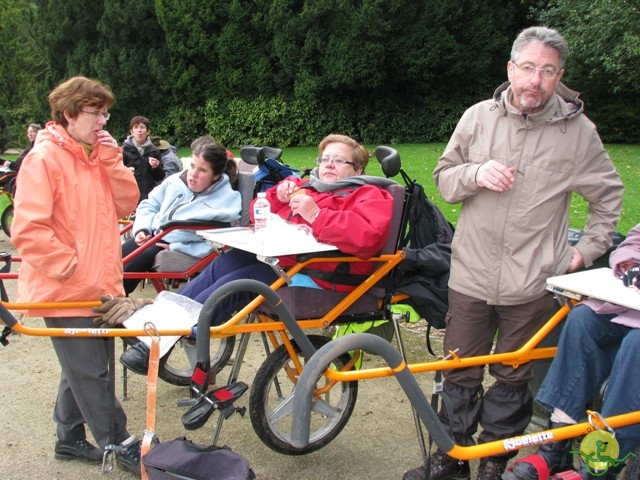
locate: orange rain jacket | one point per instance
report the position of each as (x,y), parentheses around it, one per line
(65,226)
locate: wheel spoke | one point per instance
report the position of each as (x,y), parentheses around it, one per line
(323,408)
(282,410)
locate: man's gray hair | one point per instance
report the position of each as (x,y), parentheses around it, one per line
(546,36)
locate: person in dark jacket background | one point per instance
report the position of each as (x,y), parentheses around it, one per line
(142,156)
(32,131)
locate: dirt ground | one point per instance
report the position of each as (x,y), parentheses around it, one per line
(379,441)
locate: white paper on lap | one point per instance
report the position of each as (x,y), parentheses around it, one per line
(599,283)
(169,311)
(279,238)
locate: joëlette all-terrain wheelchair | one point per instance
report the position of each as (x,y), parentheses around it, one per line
(305,391)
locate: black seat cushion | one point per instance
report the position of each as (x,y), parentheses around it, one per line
(305,302)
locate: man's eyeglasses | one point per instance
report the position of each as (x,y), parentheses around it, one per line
(528,70)
(335,160)
(98,113)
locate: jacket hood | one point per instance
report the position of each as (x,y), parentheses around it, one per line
(57,134)
(562,106)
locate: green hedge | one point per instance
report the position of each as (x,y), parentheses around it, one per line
(285,123)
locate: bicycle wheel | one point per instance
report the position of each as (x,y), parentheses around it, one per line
(178,364)
(270,403)
(7,219)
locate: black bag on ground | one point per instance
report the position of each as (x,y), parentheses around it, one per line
(181,458)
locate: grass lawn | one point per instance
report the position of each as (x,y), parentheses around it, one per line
(419,160)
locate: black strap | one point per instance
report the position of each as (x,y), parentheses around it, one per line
(429,347)
(6,268)
(350,279)
(437,390)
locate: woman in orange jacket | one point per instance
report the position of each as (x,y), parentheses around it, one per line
(66,230)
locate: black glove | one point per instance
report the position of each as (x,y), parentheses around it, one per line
(114,311)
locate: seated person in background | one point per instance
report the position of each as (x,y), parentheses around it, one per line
(205,191)
(599,341)
(142,156)
(32,131)
(169,156)
(352,215)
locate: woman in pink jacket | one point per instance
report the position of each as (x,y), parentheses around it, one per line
(66,230)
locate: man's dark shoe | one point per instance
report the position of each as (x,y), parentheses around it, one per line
(136,358)
(128,457)
(492,468)
(443,467)
(77,450)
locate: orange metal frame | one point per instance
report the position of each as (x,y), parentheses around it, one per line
(277,332)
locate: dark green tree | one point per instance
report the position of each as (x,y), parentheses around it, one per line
(131,56)
(604,59)
(24,67)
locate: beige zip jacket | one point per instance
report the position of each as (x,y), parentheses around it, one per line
(507,244)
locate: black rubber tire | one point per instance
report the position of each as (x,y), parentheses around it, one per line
(177,365)
(7,219)
(265,400)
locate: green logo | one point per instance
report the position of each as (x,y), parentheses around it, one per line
(599,451)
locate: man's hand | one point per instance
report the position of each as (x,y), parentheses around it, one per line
(577,261)
(114,311)
(495,176)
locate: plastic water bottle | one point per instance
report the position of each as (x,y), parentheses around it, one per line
(261,211)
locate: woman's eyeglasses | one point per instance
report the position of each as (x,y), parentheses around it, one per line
(335,160)
(97,114)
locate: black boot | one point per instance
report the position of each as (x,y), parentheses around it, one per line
(443,467)
(555,455)
(492,468)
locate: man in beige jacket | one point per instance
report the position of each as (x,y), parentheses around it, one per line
(513,162)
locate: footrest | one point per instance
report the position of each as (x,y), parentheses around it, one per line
(535,460)
(219,399)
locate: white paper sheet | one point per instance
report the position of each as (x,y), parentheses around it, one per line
(169,311)
(598,283)
(278,239)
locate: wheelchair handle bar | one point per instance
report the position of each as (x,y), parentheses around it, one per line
(303,394)
(272,299)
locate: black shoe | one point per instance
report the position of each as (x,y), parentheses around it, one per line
(129,456)
(136,358)
(77,450)
(443,467)
(492,468)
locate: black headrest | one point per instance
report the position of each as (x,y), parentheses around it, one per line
(389,159)
(257,155)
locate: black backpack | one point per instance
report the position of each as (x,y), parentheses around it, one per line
(423,275)
(426,224)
